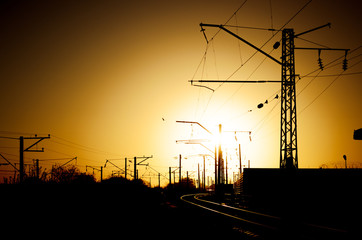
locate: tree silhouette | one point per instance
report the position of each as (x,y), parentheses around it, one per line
(69,174)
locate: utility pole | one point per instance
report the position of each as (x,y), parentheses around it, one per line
(240,170)
(37,168)
(226,168)
(203,181)
(159,180)
(199,142)
(169,175)
(140,163)
(288,129)
(135,168)
(109,161)
(216,167)
(288,132)
(180,168)
(125,168)
(100,169)
(198,175)
(28,149)
(220,160)
(21,159)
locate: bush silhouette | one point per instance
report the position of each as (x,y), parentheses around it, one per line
(69,174)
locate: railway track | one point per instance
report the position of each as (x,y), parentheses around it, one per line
(264,226)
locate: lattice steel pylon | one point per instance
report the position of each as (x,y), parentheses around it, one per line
(288,130)
(288,133)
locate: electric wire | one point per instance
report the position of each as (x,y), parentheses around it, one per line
(318,44)
(326,66)
(296,14)
(328,86)
(259,125)
(204,57)
(239,44)
(335,75)
(237,10)
(232,74)
(253,28)
(271,15)
(82,147)
(257,128)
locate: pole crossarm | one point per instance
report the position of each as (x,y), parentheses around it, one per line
(241,39)
(107,161)
(234,81)
(40,139)
(94,168)
(144,159)
(191,122)
(193,141)
(313,29)
(324,49)
(75,158)
(28,149)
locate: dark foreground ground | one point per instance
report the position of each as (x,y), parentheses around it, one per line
(63,211)
(114,211)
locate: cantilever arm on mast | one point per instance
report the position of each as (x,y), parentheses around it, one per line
(241,39)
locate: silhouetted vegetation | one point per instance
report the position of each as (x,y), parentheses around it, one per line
(185,184)
(69,174)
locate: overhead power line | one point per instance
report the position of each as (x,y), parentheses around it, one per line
(332,75)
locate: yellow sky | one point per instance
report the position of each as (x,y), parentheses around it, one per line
(104,74)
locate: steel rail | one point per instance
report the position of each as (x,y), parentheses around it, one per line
(223,213)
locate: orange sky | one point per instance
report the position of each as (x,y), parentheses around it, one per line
(103,74)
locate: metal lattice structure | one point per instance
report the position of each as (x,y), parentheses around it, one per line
(288,133)
(288,130)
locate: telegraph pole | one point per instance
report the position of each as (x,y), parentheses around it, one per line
(140,163)
(21,158)
(180,168)
(198,175)
(240,170)
(226,167)
(220,160)
(125,168)
(203,180)
(159,180)
(100,169)
(169,175)
(28,149)
(37,168)
(135,168)
(216,167)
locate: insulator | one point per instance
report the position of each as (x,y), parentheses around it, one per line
(320,64)
(260,105)
(344,66)
(276,45)
(320,60)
